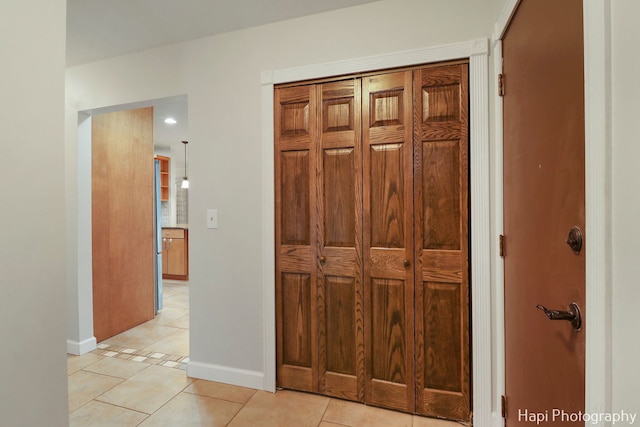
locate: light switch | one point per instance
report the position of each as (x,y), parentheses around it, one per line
(212,218)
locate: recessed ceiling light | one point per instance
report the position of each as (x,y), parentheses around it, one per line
(170,121)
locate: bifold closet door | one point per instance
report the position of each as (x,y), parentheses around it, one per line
(388,240)
(340,292)
(296,242)
(441,200)
(372,239)
(319,295)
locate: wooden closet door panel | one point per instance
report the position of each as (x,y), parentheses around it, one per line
(122,225)
(296,246)
(442,241)
(339,195)
(388,240)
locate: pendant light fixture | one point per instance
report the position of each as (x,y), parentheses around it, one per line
(185,180)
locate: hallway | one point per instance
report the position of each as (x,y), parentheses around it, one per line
(138,378)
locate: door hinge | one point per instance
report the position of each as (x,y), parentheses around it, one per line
(501,239)
(503,405)
(500,84)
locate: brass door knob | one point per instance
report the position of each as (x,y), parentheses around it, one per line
(323,259)
(406,263)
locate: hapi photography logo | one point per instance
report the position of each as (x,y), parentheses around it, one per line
(560,415)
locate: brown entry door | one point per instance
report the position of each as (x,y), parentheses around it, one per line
(122,220)
(544,193)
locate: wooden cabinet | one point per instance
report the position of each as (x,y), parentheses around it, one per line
(175,253)
(164,177)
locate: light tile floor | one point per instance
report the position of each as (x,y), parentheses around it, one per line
(138,378)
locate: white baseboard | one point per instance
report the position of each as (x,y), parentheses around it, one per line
(82,347)
(225,374)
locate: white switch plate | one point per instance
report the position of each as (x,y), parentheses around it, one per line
(212,218)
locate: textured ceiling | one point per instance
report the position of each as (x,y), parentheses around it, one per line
(99,29)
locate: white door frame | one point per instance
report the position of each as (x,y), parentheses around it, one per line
(477,51)
(597,49)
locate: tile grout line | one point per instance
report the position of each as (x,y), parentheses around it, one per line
(324,412)
(241,408)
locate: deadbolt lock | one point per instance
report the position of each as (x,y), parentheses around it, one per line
(574,239)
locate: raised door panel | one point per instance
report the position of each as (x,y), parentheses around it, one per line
(442,242)
(296,248)
(339,196)
(388,240)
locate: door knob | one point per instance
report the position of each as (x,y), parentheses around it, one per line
(406,263)
(572,315)
(323,259)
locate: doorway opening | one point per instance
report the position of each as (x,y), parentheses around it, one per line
(166,137)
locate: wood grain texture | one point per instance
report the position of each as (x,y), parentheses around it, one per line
(341,324)
(441,194)
(295,118)
(441,103)
(295,131)
(388,330)
(442,266)
(442,336)
(339,235)
(122,212)
(296,315)
(295,176)
(339,199)
(387,247)
(388,240)
(387,189)
(295,259)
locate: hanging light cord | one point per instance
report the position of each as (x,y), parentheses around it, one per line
(185,178)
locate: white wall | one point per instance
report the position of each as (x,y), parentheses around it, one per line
(221,76)
(80,337)
(625,205)
(33,378)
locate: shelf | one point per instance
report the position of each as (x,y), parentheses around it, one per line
(164,177)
